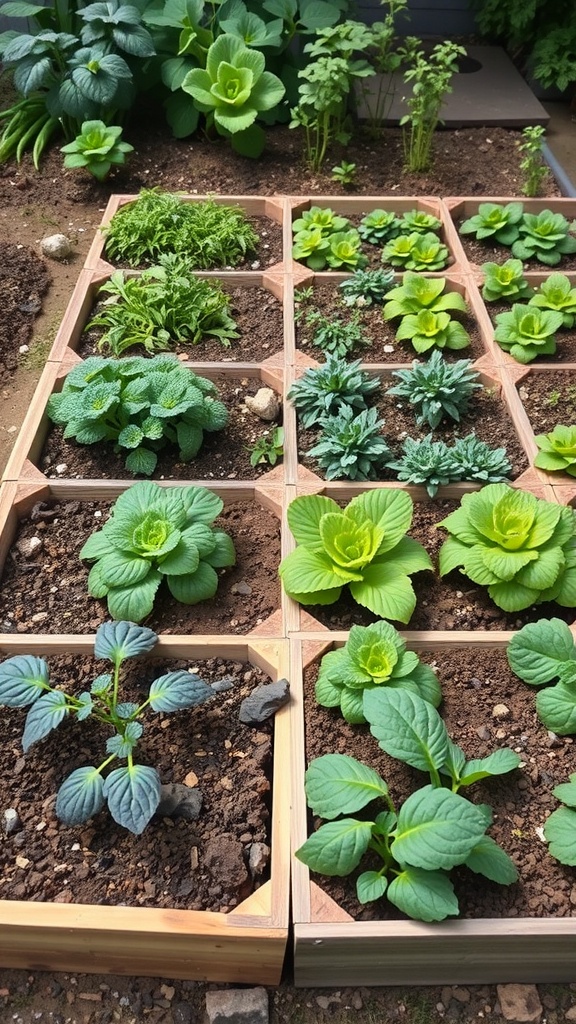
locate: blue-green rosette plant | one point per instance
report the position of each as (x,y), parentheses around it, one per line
(157,533)
(363,546)
(131,791)
(233,89)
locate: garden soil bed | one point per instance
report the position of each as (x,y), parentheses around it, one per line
(473,684)
(192,865)
(451,602)
(47,593)
(565,339)
(24,279)
(549,398)
(224,455)
(382,345)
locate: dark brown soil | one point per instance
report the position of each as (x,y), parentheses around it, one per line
(473,684)
(171,864)
(24,278)
(47,593)
(549,398)
(565,339)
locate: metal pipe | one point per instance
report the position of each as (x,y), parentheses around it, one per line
(566,186)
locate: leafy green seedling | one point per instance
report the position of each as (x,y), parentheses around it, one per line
(527,332)
(351,445)
(437,390)
(336,337)
(379,226)
(419,220)
(427,330)
(97,148)
(322,218)
(416,252)
(344,174)
(505,282)
(557,450)
(499,223)
(544,236)
(366,287)
(435,464)
(268,448)
(556,293)
(417,293)
(344,251)
(131,791)
(541,653)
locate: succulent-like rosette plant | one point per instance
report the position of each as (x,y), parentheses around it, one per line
(417,292)
(372,657)
(154,534)
(321,217)
(505,281)
(557,293)
(323,391)
(363,546)
(366,287)
(557,450)
(98,148)
(234,88)
(426,330)
(344,251)
(521,547)
(545,237)
(437,390)
(351,445)
(379,226)
(527,332)
(311,246)
(416,252)
(419,220)
(500,223)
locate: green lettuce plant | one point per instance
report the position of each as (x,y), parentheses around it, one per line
(366,287)
(322,217)
(427,330)
(139,405)
(325,390)
(545,237)
(505,282)
(436,389)
(527,332)
(164,305)
(132,791)
(344,251)
(311,246)
(418,843)
(522,548)
(233,89)
(557,293)
(379,226)
(98,148)
(363,546)
(417,292)
(351,445)
(544,653)
(416,252)
(419,220)
(557,450)
(157,533)
(372,657)
(495,222)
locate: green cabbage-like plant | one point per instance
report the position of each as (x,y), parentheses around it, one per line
(416,252)
(325,390)
(233,90)
(545,237)
(351,445)
(311,246)
(373,656)
(344,251)
(417,292)
(366,287)
(557,293)
(522,548)
(557,450)
(437,390)
(544,653)
(363,546)
(427,330)
(322,217)
(527,332)
(505,282)
(139,405)
(379,226)
(157,533)
(98,148)
(499,223)
(419,220)
(131,791)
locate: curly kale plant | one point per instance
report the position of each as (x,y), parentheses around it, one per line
(379,227)
(505,282)
(233,89)
(521,547)
(132,791)
(372,657)
(325,390)
(557,450)
(527,332)
(366,287)
(545,237)
(433,831)
(157,533)
(351,446)
(495,222)
(417,293)
(164,305)
(209,234)
(416,252)
(363,546)
(556,293)
(140,405)
(437,390)
(98,148)
(427,329)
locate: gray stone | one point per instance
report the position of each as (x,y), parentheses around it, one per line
(237,1006)
(56,247)
(520,1003)
(221,685)
(264,702)
(264,404)
(28,546)
(258,857)
(182,1013)
(178,801)
(11,821)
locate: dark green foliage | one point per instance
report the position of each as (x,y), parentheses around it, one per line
(437,389)
(366,287)
(351,446)
(325,390)
(434,464)
(336,337)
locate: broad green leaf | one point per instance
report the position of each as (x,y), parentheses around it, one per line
(96,546)
(23,679)
(423,895)
(337,847)
(428,684)
(407,727)
(452,555)
(201,504)
(556,706)
(44,715)
(177,690)
(133,794)
(134,603)
(122,569)
(304,515)
(437,829)
(538,650)
(199,586)
(304,571)
(123,745)
(80,796)
(222,553)
(560,831)
(498,763)
(338,784)
(182,560)
(352,706)
(141,462)
(454,761)
(370,885)
(326,692)
(490,860)
(566,792)
(512,597)
(388,508)
(386,591)
(116,641)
